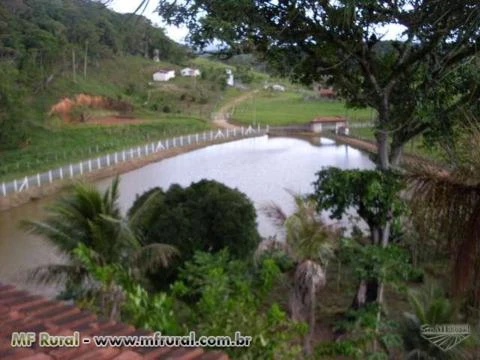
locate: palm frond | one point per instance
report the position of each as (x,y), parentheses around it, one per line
(274,213)
(143,210)
(56,274)
(152,256)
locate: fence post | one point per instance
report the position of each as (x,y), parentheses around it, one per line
(234,131)
(173,142)
(116,158)
(181,140)
(166,144)
(15,185)
(108,160)
(243,130)
(196,138)
(99,163)
(71,171)
(139,152)
(89,165)
(61,173)
(4,189)
(81,167)
(188,139)
(26,182)
(131,153)
(50,177)
(211,135)
(123,155)
(146,149)
(38,179)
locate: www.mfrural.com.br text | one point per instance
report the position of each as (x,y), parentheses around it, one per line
(45,339)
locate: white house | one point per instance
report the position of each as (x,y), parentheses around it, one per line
(230,80)
(190,72)
(164,75)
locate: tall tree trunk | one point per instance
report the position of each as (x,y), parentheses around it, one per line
(382,148)
(396,155)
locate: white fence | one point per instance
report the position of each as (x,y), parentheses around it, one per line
(77,169)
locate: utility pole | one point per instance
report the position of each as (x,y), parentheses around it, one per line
(85,60)
(74,66)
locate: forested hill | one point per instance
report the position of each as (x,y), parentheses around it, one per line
(40,33)
(39,40)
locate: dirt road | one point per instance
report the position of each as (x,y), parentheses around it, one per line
(223,114)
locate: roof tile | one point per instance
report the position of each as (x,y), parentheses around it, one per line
(21,311)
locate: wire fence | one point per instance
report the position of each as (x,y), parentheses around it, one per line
(96,163)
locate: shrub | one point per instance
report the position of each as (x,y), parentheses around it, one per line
(206,216)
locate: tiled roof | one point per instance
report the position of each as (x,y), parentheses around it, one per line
(22,312)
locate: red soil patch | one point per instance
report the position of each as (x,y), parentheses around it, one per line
(65,106)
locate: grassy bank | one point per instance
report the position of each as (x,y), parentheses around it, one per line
(277,108)
(54,146)
(415,146)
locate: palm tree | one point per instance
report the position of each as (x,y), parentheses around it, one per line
(429,306)
(93,219)
(311,244)
(449,204)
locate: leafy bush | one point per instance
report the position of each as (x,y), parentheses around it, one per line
(228,295)
(205,216)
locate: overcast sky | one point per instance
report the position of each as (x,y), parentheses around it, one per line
(178,34)
(129,6)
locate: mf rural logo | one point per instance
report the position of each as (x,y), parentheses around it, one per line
(445,337)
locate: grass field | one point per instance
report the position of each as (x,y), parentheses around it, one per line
(54,146)
(275,108)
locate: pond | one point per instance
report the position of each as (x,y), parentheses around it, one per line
(264,168)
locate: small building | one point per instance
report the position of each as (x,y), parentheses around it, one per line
(327,93)
(230,80)
(190,72)
(325,123)
(164,75)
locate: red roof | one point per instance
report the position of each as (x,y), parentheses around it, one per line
(21,311)
(329,119)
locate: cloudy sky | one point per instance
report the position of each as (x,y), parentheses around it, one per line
(178,34)
(128,6)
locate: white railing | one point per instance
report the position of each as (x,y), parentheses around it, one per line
(79,168)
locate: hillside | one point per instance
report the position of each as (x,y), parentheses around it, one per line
(51,49)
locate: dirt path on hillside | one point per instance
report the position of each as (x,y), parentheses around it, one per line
(222,115)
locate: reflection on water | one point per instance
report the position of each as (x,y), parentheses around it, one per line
(263,168)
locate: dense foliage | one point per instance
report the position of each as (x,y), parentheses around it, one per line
(205,216)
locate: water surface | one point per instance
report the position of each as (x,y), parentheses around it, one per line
(263,168)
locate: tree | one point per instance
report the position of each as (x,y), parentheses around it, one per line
(345,39)
(310,243)
(374,195)
(205,216)
(94,220)
(12,129)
